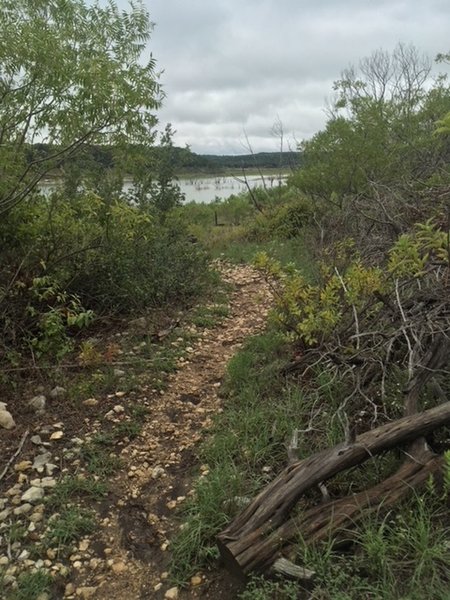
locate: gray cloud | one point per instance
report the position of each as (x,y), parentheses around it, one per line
(235,65)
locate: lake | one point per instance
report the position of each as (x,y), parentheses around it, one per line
(204,188)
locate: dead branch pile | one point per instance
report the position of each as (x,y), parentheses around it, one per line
(399,337)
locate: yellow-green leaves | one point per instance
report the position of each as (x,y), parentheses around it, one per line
(411,253)
(312,312)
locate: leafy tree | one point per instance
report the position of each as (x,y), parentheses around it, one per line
(153,173)
(380,129)
(71,74)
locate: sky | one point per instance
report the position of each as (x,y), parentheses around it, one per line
(231,69)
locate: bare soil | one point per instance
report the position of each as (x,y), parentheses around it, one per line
(134,535)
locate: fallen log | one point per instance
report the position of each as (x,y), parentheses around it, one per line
(335,519)
(244,544)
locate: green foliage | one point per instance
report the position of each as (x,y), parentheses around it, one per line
(99,90)
(413,251)
(58,312)
(209,316)
(401,555)
(313,311)
(381,128)
(259,588)
(69,526)
(72,488)
(99,459)
(68,258)
(31,586)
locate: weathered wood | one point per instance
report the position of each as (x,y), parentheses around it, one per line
(243,543)
(283,566)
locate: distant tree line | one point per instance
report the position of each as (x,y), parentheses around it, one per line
(183,159)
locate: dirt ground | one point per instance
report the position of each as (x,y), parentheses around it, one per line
(128,556)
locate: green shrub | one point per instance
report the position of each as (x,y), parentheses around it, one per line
(65,259)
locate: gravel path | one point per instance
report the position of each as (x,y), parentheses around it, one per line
(134,537)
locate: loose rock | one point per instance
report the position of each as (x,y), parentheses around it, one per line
(38,403)
(6,420)
(34,494)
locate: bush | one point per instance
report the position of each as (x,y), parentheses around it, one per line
(66,259)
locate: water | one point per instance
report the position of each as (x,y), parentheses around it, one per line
(202,189)
(207,189)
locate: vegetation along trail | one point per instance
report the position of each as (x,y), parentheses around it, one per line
(135,535)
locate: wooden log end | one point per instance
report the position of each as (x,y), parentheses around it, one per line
(283,566)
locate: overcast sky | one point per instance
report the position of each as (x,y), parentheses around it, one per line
(235,66)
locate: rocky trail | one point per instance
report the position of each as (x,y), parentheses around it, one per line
(128,554)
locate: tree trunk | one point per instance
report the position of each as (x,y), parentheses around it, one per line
(251,541)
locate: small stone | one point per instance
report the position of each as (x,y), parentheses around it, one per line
(164,576)
(118,409)
(57,435)
(48,482)
(36,440)
(94,563)
(6,420)
(41,461)
(38,403)
(23,555)
(5,514)
(23,509)
(196,580)
(36,517)
(171,594)
(83,545)
(119,567)
(49,468)
(157,472)
(157,587)
(171,504)
(4,560)
(119,373)
(23,465)
(33,494)
(58,392)
(86,592)
(69,589)
(51,554)
(90,402)
(120,394)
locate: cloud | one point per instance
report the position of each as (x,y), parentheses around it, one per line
(231,66)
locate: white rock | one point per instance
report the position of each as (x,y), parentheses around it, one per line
(171,594)
(41,461)
(49,468)
(118,409)
(119,373)
(58,392)
(90,402)
(48,482)
(36,439)
(5,514)
(33,494)
(6,420)
(57,435)
(23,509)
(38,403)
(86,592)
(157,472)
